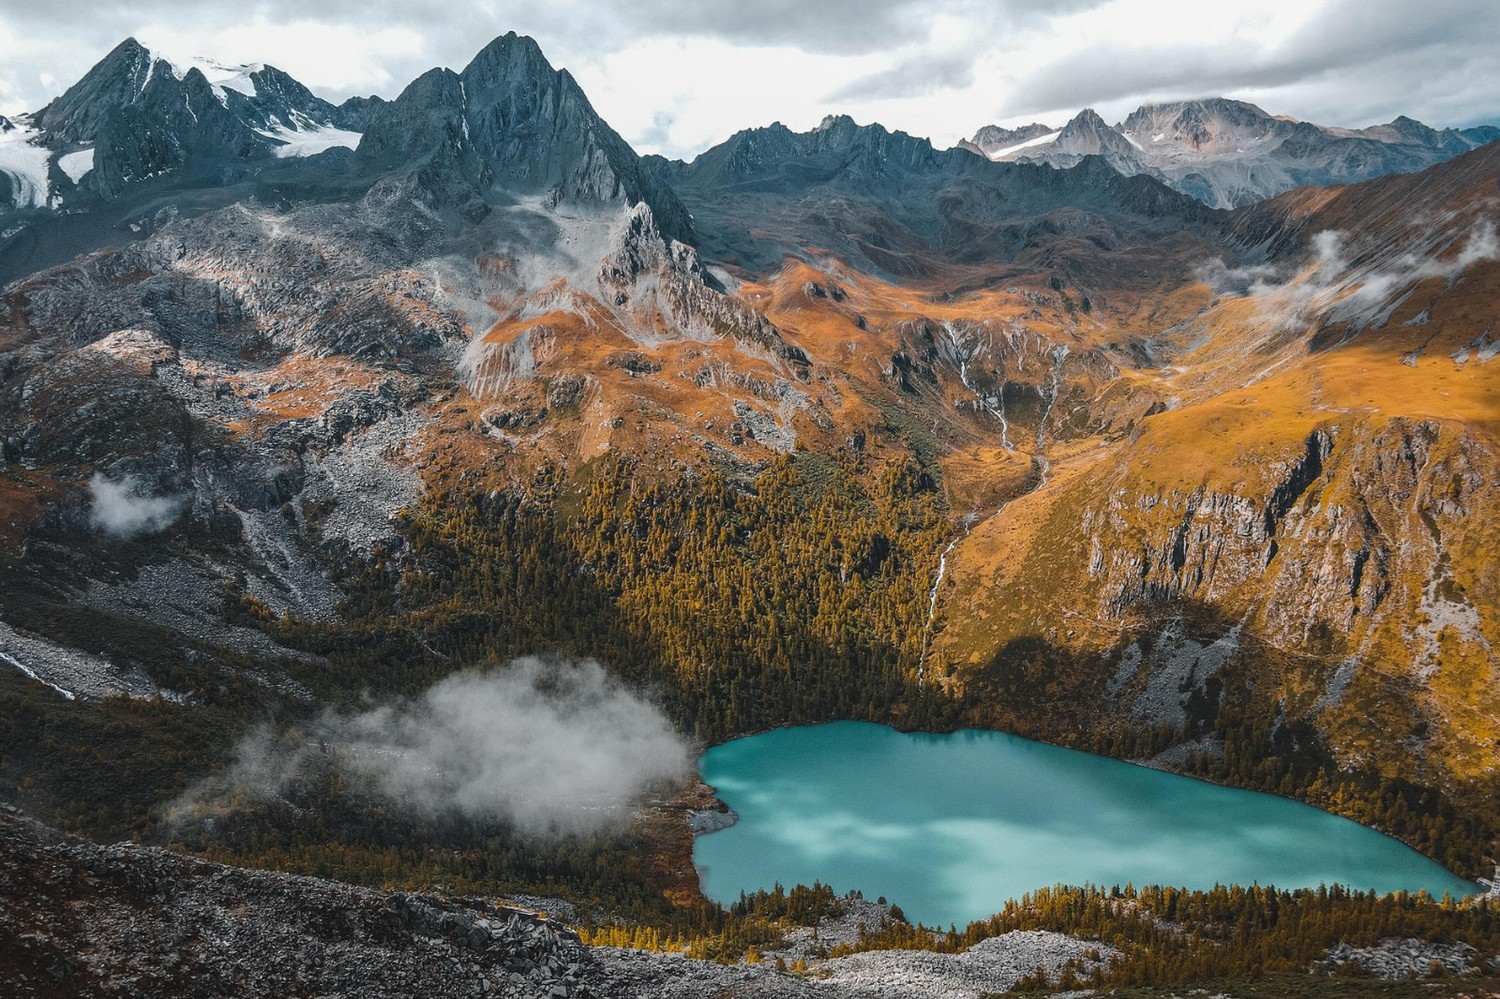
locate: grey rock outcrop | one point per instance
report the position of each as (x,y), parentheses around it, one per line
(1397,959)
(888,202)
(126,920)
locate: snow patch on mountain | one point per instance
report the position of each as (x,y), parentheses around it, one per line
(219,76)
(311,139)
(1228,153)
(77,164)
(1041,140)
(24,164)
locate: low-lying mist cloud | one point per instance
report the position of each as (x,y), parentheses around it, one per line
(1337,289)
(1376,287)
(1226,280)
(123,509)
(1289,303)
(550,746)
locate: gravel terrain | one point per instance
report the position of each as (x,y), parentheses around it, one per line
(82,919)
(1400,959)
(71,672)
(989,966)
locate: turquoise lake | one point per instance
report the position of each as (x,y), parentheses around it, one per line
(951,826)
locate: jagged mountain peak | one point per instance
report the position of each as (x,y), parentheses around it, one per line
(1411,130)
(837,148)
(514,66)
(137,114)
(1219,107)
(1196,127)
(992,138)
(115,81)
(1088,134)
(511,122)
(132,75)
(509,56)
(1088,118)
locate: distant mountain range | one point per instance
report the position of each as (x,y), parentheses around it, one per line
(137,116)
(1229,153)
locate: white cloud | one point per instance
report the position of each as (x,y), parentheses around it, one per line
(713,90)
(124,510)
(1331,289)
(551,746)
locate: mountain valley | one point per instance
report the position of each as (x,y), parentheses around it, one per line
(1114,437)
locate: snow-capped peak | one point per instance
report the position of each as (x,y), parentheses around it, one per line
(219,76)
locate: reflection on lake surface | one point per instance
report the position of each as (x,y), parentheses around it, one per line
(950,826)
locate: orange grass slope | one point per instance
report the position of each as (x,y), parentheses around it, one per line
(903,369)
(1326,481)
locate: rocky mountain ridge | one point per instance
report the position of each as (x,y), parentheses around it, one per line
(137,137)
(135,116)
(510,122)
(1229,153)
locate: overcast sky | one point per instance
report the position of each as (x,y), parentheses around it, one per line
(676,77)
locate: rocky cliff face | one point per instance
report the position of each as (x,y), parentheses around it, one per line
(890,204)
(117,81)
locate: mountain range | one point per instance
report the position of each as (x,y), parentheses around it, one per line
(1121,437)
(1229,153)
